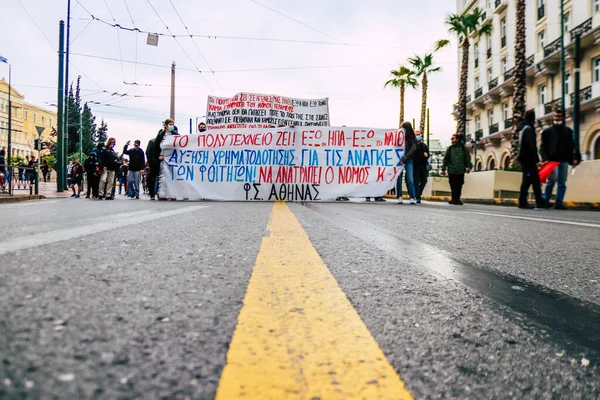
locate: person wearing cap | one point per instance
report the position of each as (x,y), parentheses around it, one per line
(558,146)
(137,162)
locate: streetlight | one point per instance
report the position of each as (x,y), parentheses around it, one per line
(8,157)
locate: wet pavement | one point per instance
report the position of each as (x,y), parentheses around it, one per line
(140,299)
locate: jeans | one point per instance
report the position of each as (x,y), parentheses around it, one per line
(456,184)
(122,184)
(410,181)
(133,180)
(558,174)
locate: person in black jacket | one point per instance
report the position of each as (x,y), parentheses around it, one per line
(557,145)
(420,162)
(91,169)
(137,162)
(530,161)
(109,166)
(153,165)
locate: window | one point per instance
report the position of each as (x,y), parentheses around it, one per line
(542,92)
(489,46)
(596,6)
(567,83)
(505,111)
(596,70)
(491,116)
(478,123)
(489,74)
(476,51)
(504,65)
(541,40)
(34,118)
(477,83)
(50,122)
(503,32)
(43,120)
(566,22)
(26,115)
(541,3)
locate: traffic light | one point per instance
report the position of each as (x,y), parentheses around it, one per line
(43,145)
(36,144)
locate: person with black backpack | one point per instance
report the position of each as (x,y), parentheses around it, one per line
(93,178)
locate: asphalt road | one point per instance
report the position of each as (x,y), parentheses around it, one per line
(138,299)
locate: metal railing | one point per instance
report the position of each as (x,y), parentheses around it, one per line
(478,92)
(508,123)
(530,61)
(478,134)
(493,83)
(585,94)
(22,180)
(494,128)
(581,29)
(552,48)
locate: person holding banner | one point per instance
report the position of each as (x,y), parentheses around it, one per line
(411,146)
(558,146)
(167,130)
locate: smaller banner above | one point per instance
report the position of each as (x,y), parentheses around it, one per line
(253,110)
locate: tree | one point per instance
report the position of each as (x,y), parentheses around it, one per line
(462,26)
(423,66)
(101,133)
(73,120)
(402,78)
(89,129)
(520,76)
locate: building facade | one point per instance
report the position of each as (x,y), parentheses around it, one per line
(25,120)
(491,66)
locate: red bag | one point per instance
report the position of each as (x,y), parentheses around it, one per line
(546,170)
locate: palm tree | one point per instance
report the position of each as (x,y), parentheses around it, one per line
(423,66)
(462,26)
(402,78)
(520,76)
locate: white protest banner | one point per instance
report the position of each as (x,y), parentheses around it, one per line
(253,110)
(290,164)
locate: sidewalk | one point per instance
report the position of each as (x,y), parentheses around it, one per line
(46,191)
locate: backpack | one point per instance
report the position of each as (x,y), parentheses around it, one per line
(91,162)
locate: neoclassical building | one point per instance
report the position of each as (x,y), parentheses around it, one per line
(491,66)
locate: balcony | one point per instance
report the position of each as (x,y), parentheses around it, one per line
(550,107)
(509,74)
(530,61)
(469,98)
(494,129)
(541,12)
(493,83)
(478,134)
(486,18)
(503,41)
(500,5)
(478,92)
(508,123)
(552,48)
(585,94)
(582,29)
(489,53)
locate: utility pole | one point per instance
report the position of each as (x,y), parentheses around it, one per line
(576,98)
(562,53)
(173,91)
(66,93)
(9,155)
(60,171)
(428,132)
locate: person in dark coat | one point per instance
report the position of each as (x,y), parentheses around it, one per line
(530,161)
(92,173)
(458,162)
(137,162)
(558,146)
(109,166)
(153,165)
(420,162)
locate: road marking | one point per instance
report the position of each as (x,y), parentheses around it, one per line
(40,239)
(555,221)
(298,336)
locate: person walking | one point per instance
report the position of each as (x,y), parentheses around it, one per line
(457,161)
(91,166)
(558,146)
(167,130)
(530,161)
(137,162)
(45,168)
(122,177)
(411,147)
(420,163)
(76,178)
(32,170)
(153,166)
(109,167)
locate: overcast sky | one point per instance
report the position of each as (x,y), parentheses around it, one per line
(364,40)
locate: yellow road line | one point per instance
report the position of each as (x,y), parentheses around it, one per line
(298,336)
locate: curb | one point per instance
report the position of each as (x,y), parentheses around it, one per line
(571,205)
(20,198)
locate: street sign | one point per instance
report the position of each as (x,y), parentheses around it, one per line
(40,130)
